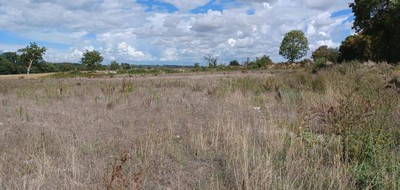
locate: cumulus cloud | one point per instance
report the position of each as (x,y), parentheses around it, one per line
(122,30)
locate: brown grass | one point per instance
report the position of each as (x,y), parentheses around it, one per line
(24,76)
(173,133)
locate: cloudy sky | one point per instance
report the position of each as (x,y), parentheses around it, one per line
(169,31)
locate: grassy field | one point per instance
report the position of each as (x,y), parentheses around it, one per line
(338,129)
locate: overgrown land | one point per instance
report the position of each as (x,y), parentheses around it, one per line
(335,129)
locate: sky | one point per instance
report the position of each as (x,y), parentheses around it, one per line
(166,32)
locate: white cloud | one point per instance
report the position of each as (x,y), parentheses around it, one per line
(170,54)
(124,31)
(125,49)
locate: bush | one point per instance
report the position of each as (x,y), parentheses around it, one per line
(330,54)
(114,66)
(319,64)
(234,63)
(261,62)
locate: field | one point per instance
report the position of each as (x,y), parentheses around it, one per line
(337,129)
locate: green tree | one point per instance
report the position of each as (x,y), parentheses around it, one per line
(379,19)
(91,59)
(234,63)
(126,66)
(294,45)
(355,47)
(261,62)
(32,54)
(114,65)
(10,56)
(330,54)
(196,66)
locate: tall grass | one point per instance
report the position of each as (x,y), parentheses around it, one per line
(337,129)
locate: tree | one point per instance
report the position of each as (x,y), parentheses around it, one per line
(212,61)
(355,47)
(126,66)
(10,56)
(330,54)
(32,54)
(379,20)
(234,63)
(91,59)
(261,62)
(196,66)
(114,65)
(294,45)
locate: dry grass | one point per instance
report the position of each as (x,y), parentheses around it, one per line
(24,76)
(176,133)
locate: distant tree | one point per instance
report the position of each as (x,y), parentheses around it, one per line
(126,66)
(247,62)
(294,45)
(330,54)
(196,66)
(355,47)
(261,62)
(114,65)
(212,61)
(234,63)
(91,59)
(6,67)
(10,56)
(32,54)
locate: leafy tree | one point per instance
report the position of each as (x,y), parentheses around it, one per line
(379,20)
(261,62)
(10,56)
(126,66)
(114,65)
(355,47)
(32,54)
(234,63)
(330,54)
(212,61)
(91,59)
(6,67)
(294,45)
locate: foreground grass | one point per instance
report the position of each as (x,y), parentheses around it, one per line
(338,129)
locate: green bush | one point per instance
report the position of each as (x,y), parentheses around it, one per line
(319,64)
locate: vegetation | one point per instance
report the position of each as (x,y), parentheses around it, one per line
(260,63)
(234,63)
(32,54)
(294,45)
(337,129)
(114,65)
(211,60)
(91,60)
(377,21)
(330,54)
(312,125)
(356,47)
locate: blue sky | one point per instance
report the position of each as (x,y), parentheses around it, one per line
(169,31)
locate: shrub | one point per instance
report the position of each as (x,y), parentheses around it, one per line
(330,54)
(319,64)
(261,62)
(234,63)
